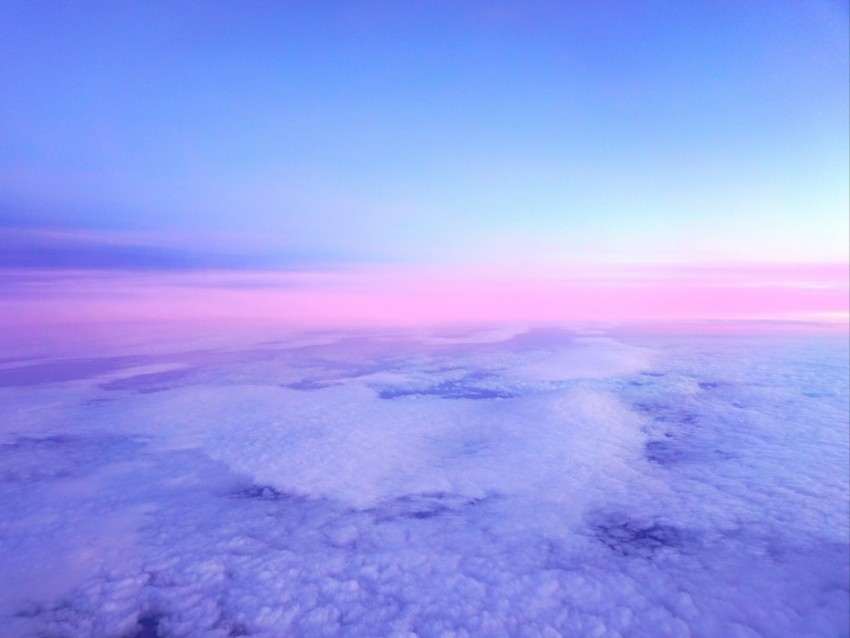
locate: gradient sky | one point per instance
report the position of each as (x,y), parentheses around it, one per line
(162,136)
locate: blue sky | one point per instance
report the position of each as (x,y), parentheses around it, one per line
(300,133)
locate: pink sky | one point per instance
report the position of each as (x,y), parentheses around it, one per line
(418,296)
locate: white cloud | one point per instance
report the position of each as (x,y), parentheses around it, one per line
(697,487)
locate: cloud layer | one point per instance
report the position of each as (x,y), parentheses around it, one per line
(537,483)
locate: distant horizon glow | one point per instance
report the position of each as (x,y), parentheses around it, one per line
(416,296)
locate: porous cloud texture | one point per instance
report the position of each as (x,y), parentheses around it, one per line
(501,483)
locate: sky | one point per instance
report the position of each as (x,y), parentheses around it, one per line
(465,146)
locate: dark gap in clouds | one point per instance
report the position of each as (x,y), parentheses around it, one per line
(148,383)
(68,370)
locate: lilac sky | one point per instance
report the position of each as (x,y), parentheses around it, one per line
(381,163)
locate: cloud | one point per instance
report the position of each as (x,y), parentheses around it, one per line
(83,249)
(699,491)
